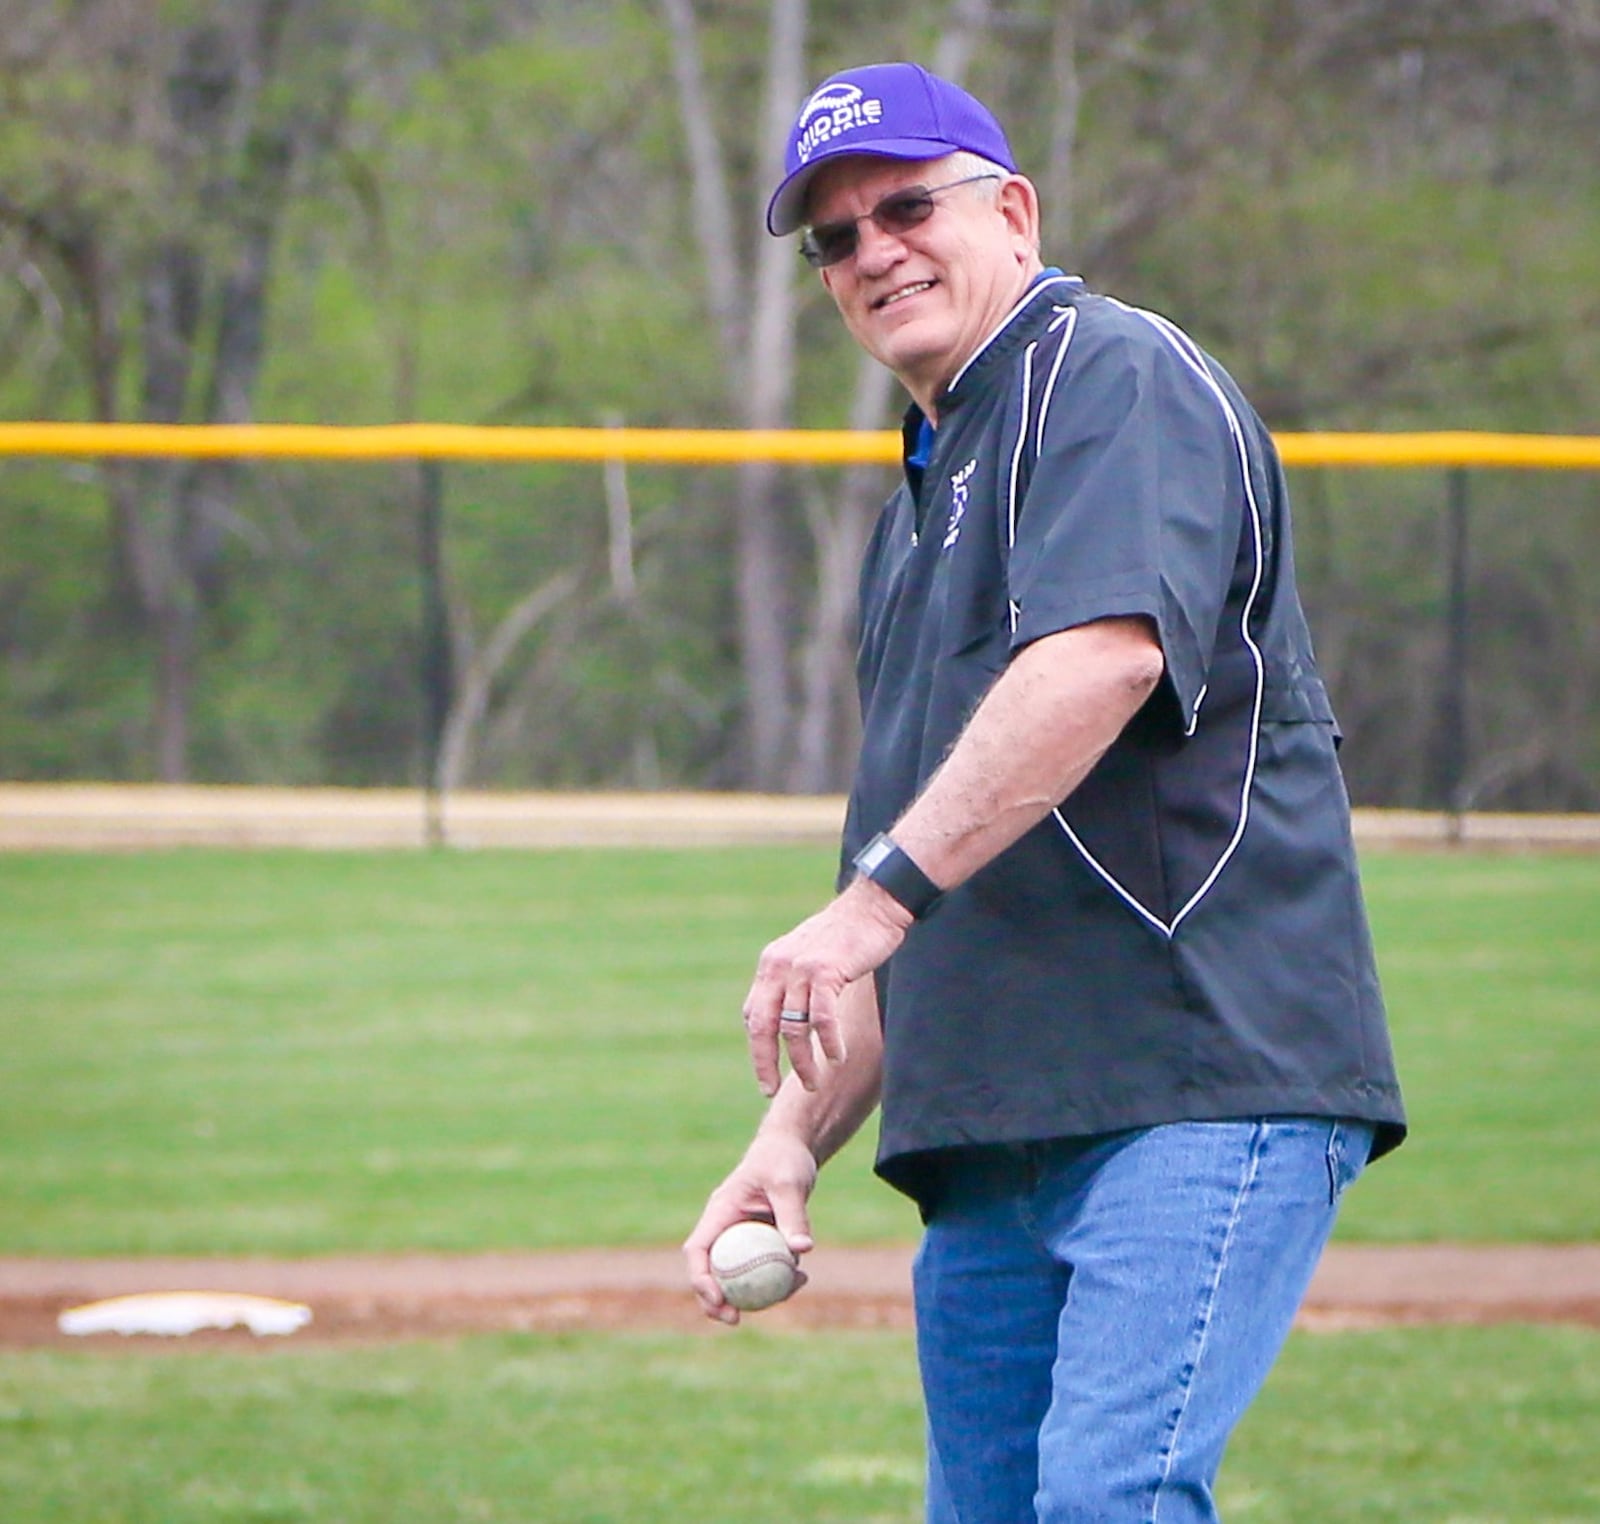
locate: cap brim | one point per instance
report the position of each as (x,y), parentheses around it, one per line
(786,210)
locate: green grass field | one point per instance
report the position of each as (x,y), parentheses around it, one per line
(1441,1426)
(213,1052)
(293,1052)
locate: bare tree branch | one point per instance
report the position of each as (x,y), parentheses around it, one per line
(708,182)
(458,742)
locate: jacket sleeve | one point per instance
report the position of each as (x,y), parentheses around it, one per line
(1135,501)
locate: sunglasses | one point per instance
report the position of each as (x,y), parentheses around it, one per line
(830,243)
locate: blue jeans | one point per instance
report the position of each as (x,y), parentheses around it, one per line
(1094,1315)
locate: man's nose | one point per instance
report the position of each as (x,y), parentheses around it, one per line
(876,250)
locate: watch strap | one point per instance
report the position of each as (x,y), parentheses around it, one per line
(890,867)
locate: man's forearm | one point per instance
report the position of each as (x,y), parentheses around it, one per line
(1037,734)
(1042,727)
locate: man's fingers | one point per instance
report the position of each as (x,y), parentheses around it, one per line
(805,1028)
(762,1023)
(800,976)
(697,1260)
(830,1035)
(709,1294)
(712,1303)
(773,1182)
(761,1032)
(811,1044)
(790,1009)
(794,1027)
(790,1218)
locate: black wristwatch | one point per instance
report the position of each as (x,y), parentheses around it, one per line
(886,863)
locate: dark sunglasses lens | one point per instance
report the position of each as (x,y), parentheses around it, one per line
(834,242)
(897,214)
(829,245)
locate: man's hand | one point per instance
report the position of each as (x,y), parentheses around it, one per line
(804,972)
(773,1181)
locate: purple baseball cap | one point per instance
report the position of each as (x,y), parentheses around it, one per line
(892,111)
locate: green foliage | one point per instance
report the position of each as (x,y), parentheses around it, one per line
(490,219)
(71,692)
(339,577)
(1325,290)
(1373,565)
(298,1053)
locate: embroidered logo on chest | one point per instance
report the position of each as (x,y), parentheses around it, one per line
(960,490)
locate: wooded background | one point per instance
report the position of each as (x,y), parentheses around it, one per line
(1377,215)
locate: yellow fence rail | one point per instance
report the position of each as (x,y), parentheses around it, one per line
(825,447)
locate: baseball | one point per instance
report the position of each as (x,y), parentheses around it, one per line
(753,1265)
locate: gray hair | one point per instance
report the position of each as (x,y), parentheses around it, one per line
(964,165)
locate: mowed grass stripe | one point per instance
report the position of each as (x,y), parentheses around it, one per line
(281,1052)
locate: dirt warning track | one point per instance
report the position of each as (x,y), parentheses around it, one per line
(43,817)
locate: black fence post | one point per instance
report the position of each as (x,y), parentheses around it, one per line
(435,670)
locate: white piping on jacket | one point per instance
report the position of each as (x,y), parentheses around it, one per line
(1191,356)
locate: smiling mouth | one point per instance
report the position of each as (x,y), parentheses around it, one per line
(901,294)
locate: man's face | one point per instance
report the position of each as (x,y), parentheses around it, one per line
(924,299)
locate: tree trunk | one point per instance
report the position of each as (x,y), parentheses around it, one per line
(758,355)
(827,733)
(176,626)
(709,194)
(765,570)
(199,317)
(1061,166)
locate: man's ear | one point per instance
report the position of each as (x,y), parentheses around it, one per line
(1019,205)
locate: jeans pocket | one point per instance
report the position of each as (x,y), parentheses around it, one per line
(1349,1147)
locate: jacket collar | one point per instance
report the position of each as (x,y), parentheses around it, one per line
(1014,330)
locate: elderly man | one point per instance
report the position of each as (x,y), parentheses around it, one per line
(1122,1013)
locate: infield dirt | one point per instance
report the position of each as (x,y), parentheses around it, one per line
(382,1297)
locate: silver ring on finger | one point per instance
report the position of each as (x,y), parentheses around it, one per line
(795,1018)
